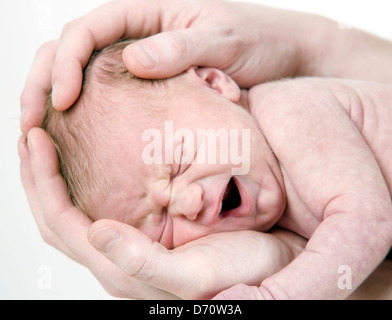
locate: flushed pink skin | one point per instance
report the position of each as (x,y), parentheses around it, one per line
(337,56)
(333,142)
(176,204)
(336,193)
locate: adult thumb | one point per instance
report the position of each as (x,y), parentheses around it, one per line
(138,256)
(164,55)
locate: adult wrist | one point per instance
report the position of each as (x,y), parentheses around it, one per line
(335,52)
(302,41)
(318,41)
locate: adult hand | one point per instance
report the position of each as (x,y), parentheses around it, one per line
(61,63)
(249,42)
(62,225)
(201,268)
(142,269)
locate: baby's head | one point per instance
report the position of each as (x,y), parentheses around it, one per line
(178,158)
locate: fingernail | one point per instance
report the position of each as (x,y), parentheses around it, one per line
(103,239)
(144,55)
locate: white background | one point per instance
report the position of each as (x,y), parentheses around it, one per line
(24,26)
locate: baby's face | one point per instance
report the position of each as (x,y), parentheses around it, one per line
(167,180)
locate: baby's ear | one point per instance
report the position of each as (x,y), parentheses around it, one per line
(220,82)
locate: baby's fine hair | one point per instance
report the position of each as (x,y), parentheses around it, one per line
(79,132)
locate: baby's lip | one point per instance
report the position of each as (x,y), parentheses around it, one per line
(245,206)
(246,201)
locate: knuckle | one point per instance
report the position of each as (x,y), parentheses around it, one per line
(25,125)
(134,266)
(47,46)
(48,237)
(70,26)
(138,264)
(50,224)
(179,42)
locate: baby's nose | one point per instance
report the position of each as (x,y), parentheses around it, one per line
(187,202)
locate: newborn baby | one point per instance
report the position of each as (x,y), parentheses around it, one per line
(318,162)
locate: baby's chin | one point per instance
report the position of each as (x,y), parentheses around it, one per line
(270,207)
(230,224)
(262,204)
(243,101)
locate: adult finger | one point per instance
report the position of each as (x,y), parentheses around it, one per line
(98,29)
(68,225)
(197,270)
(170,53)
(37,87)
(141,258)
(31,192)
(60,214)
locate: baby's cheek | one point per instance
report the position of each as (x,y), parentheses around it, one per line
(271,203)
(183,231)
(152,225)
(153,232)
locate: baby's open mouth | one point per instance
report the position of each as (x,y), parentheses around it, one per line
(231,198)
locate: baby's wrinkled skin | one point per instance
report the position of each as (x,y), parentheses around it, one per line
(317,147)
(332,138)
(173,203)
